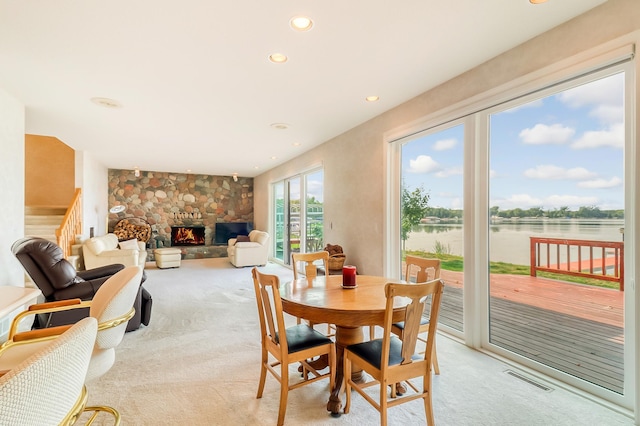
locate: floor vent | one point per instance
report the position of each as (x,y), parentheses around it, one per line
(528,380)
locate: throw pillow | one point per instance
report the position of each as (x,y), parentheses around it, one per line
(129,245)
(242,239)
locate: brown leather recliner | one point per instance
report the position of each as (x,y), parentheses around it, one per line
(44,262)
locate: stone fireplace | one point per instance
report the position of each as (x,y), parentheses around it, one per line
(175,200)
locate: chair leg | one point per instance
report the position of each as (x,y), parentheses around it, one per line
(428,406)
(284,392)
(383,402)
(347,384)
(263,373)
(372,332)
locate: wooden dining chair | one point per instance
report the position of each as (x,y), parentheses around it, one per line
(424,270)
(294,344)
(390,360)
(307,263)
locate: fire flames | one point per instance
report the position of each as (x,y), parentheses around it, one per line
(186,236)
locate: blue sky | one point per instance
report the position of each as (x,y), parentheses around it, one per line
(562,150)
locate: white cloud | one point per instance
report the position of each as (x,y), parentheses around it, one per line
(613,137)
(447,195)
(456,203)
(607,91)
(572,201)
(423,164)
(601,183)
(492,174)
(554,172)
(524,200)
(453,171)
(444,144)
(612,114)
(315,188)
(543,134)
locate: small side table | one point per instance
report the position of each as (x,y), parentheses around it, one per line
(12,302)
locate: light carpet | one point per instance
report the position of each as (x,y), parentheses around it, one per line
(198,363)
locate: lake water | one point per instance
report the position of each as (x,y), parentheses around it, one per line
(509,241)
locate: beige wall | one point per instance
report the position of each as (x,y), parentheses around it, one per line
(49,171)
(11,187)
(91,175)
(354,162)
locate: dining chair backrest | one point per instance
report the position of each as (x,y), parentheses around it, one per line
(295,344)
(426,269)
(112,306)
(390,360)
(272,328)
(47,388)
(308,263)
(419,294)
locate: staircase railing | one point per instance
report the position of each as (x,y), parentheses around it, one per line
(71,224)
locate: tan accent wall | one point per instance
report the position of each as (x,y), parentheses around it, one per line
(49,171)
(355,162)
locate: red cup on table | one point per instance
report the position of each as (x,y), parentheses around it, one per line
(349,276)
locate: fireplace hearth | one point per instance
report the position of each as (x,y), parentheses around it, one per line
(187,235)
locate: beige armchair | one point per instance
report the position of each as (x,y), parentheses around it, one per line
(254,252)
(107,250)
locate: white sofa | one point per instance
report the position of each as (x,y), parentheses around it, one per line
(254,252)
(106,250)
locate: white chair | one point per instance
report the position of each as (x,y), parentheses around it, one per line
(107,250)
(112,307)
(47,388)
(254,252)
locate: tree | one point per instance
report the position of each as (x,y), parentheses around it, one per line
(414,208)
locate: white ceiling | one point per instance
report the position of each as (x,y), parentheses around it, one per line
(196,88)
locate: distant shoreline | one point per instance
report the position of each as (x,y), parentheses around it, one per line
(509,239)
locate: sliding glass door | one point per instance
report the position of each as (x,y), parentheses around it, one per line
(546,226)
(432,210)
(298,218)
(556,251)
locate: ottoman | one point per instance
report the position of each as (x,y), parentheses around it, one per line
(167,257)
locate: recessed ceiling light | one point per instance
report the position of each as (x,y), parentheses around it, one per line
(296,144)
(278,58)
(188,170)
(256,167)
(106,102)
(273,157)
(301,23)
(537,1)
(372,98)
(280,126)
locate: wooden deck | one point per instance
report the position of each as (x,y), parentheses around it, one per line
(574,328)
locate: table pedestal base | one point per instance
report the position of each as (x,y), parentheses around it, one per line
(345,336)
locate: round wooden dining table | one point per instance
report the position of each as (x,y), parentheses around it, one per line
(324,300)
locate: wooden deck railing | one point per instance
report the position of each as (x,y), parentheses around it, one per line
(578,259)
(71,224)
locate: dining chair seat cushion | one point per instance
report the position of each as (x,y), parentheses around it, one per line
(301,336)
(371,351)
(400,325)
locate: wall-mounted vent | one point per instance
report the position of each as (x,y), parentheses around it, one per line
(528,380)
